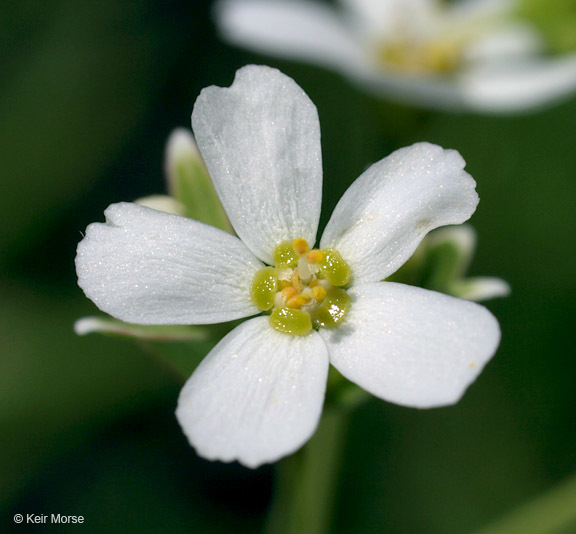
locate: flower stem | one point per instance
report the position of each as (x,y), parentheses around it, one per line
(306,481)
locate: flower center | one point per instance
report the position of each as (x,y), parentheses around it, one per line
(436,56)
(304,289)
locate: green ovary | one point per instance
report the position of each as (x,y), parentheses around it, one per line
(264,288)
(334,268)
(333,308)
(290,321)
(304,290)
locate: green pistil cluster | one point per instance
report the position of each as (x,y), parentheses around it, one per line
(305,288)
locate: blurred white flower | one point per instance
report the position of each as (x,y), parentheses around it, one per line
(468,54)
(258,395)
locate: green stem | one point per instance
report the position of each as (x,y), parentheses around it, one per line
(306,481)
(552,512)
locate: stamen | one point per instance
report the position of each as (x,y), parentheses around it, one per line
(300,246)
(318,293)
(304,271)
(289,292)
(315,256)
(296,281)
(302,291)
(298,301)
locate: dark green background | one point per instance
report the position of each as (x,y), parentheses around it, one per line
(89,92)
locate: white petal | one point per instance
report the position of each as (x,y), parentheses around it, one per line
(148,267)
(301,30)
(519,85)
(411,346)
(256,397)
(260,140)
(386,212)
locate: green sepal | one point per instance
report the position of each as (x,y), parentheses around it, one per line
(444,265)
(190,184)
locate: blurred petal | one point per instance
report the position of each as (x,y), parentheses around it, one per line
(513,41)
(480,288)
(481,9)
(430,91)
(302,30)
(256,397)
(411,346)
(517,86)
(148,267)
(162,203)
(105,325)
(380,19)
(260,140)
(386,212)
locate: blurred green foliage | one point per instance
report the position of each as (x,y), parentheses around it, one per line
(89,94)
(556,19)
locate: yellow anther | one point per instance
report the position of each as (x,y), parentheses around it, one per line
(318,293)
(300,246)
(298,301)
(284,283)
(315,256)
(289,292)
(296,281)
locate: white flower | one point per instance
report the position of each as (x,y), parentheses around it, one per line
(258,395)
(470,54)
